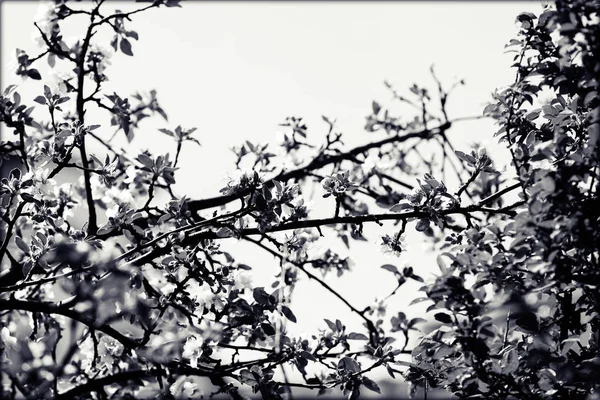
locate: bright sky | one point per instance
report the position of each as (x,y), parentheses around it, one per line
(235,70)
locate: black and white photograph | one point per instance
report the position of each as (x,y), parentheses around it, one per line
(294,200)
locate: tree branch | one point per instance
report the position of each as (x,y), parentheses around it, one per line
(52,308)
(197,205)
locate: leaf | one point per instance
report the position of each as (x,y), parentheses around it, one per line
(162,113)
(415,321)
(527,321)
(489,108)
(313,381)
(348,364)
(248,377)
(355,394)
(26,267)
(41,237)
(548,184)
(34,74)
(113,42)
(400,207)
(40,100)
(390,371)
(443,317)
(533,115)
(51,60)
(422,225)
(573,344)
(125,46)
(442,264)
(589,97)
(107,228)
(331,325)
(510,361)
(376,108)
(146,160)
(404,363)
(419,300)
(345,240)
(224,232)
(268,329)
(526,16)
(173,3)
(22,245)
(357,336)
(132,34)
(462,156)
(288,314)
(8,90)
(308,355)
(371,385)
(391,268)
(260,295)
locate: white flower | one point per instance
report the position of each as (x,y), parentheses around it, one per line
(37,349)
(57,79)
(192,349)
(130,173)
(86,351)
(44,13)
(40,177)
(12,64)
(63,190)
(205,298)
(113,211)
(64,193)
(183,386)
(243,281)
(44,18)
(168,288)
(108,52)
(7,337)
(371,163)
(102,56)
(109,349)
(117,196)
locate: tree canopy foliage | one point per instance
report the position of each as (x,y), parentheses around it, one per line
(145,302)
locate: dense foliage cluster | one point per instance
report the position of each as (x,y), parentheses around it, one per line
(142,301)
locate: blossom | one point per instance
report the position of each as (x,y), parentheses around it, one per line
(45,18)
(337,184)
(40,177)
(99,59)
(192,349)
(183,386)
(109,349)
(113,211)
(393,245)
(243,281)
(6,337)
(57,80)
(241,180)
(117,196)
(64,195)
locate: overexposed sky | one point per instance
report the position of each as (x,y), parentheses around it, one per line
(235,70)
